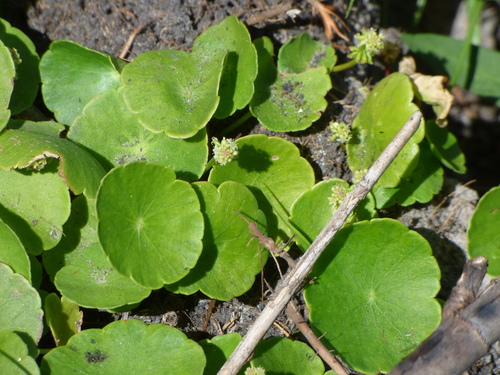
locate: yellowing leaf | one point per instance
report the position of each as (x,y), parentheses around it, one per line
(431,89)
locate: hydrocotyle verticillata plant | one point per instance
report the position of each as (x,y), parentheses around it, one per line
(368,282)
(110,199)
(291,97)
(416,174)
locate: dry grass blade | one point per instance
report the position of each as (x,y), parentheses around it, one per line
(326,14)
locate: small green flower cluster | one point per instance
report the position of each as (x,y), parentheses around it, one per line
(255,371)
(339,192)
(15,56)
(341,132)
(369,43)
(224,151)
(358,175)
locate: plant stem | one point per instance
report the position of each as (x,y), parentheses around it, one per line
(344,66)
(235,124)
(295,278)
(315,342)
(209,166)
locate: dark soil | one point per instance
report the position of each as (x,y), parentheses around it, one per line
(106,25)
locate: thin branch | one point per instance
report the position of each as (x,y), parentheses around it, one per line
(295,278)
(269,13)
(267,242)
(291,308)
(323,352)
(467,288)
(469,326)
(126,48)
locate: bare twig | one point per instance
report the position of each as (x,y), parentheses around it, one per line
(467,287)
(267,242)
(130,40)
(304,266)
(449,196)
(269,13)
(291,308)
(208,315)
(466,331)
(323,352)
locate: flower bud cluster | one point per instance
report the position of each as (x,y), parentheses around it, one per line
(358,175)
(369,44)
(224,151)
(339,192)
(255,371)
(341,132)
(16,57)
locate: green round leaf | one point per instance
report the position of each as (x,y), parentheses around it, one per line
(282,356)
(12,252)
(84,273)
(287,102)
(236,86)
(483,232)
(21,306)
(7,74)
(228,263)
(124,308)
(35,205)
(63,317)
(312,210)
(127,347)
(51,128)
(27,79)
(174,91)
(373,295)
(72,75)
(92,282)
(425,181)
(274,172)
(217,350)
(302,53)
(80,232)
(382,115)
(13,347)
(445,147)
(80,171)
(113,134)
(150,224)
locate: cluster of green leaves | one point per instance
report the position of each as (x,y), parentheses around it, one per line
(110,199)
(416,174)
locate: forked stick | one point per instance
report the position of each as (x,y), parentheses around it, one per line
(267,242)
(295,278)
(291,307)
